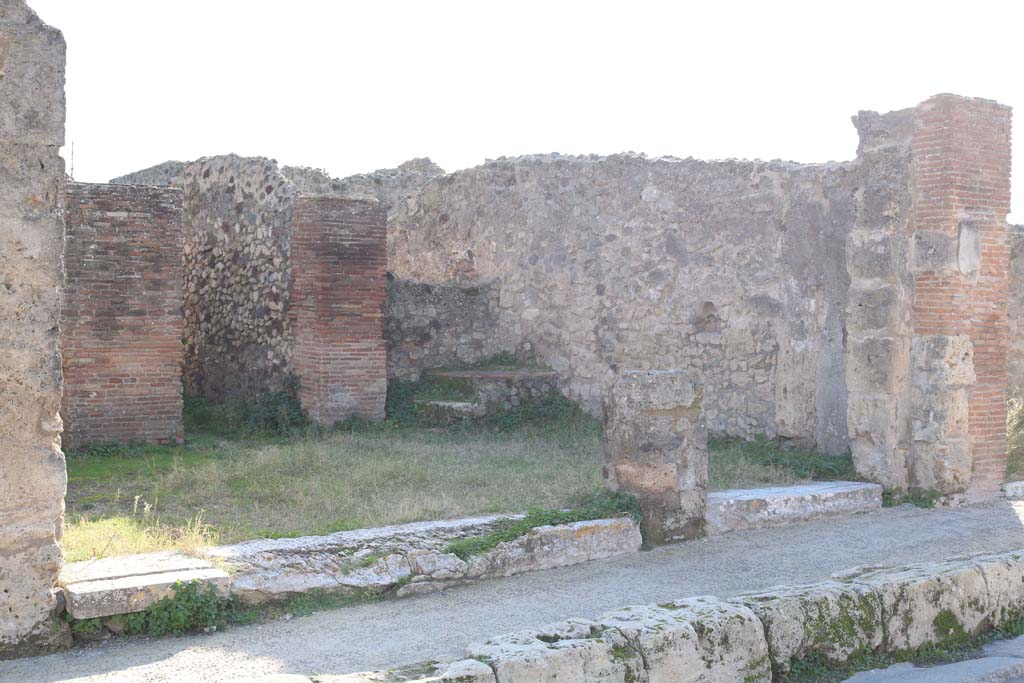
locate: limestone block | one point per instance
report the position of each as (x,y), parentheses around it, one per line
(883,463)
(1004,582)
(939,414)
(873,418)
(830,619)
(1014,489)
(941,466)
(103,597)
(927,603)
(547,547)
(698,639)
(738,509)
(935,252)
(874,308)
(574,651)
(656,449)
(876,364)
(942,361)
(873,255)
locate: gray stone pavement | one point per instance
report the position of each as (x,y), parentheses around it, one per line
(436,626)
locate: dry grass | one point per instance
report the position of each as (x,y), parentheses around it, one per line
(225,487)
(227,490)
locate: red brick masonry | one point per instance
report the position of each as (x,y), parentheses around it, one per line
(121,322)
(339,264)
(961,175)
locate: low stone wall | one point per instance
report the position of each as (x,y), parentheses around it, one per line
(410,559)
(430,326)
(121,324)
(749,637)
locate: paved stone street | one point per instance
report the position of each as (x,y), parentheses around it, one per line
(442,625)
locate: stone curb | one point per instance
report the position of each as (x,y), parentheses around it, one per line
(747,638)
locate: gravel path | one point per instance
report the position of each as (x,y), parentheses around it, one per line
(436,626)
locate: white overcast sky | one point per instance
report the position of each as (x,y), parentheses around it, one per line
(355,86)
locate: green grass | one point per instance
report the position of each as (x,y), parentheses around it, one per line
(734,463)
(234,480)
(226,485)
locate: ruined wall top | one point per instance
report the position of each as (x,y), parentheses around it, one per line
(31,57)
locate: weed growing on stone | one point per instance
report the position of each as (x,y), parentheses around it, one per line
(921,499)
(956,646)
(1015,437)
(602,505)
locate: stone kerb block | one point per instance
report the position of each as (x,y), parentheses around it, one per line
(656,449)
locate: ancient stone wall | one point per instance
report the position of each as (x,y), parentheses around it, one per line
(732,271)
(237,231)
(121,323)
(32,472)
(438,326)
(928,324)
(339,261)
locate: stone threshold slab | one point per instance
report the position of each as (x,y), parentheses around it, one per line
(121,585)
(739,509)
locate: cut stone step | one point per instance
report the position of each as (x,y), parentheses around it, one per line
(1014,489)
(738,509)
(120,585)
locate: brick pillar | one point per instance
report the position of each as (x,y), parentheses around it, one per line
(960,175)
(122,320)
(656,449)
(339,263)
(927,320)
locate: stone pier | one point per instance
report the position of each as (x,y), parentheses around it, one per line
(928,316)
(656,449)
(32,472)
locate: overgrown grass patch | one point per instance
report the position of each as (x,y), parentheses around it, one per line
(735,463)
(234,480)
(1015,437)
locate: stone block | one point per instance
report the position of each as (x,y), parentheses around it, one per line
(876,365)
(697,639)
(830,619)
(939,414)
(882,463)
(875,308)
(739,509)
(935,252)
(943,466)
(940,361)
(927,603)
(873,418)
(1014,489)
(874,255)
(656,449)
(122,585)
(32,86)
(574,651)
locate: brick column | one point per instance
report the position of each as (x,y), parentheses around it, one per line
(927,322)
(960,176)
(339,263)
(656,449)
(122,320)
